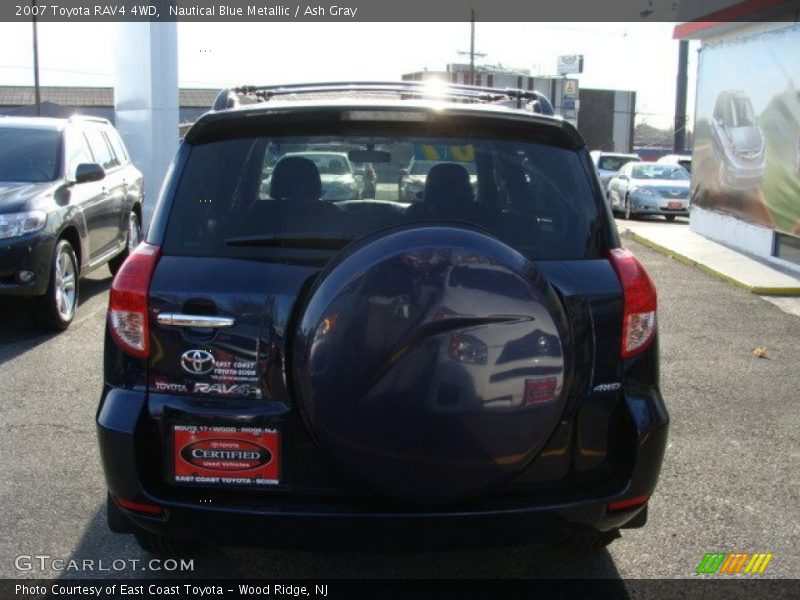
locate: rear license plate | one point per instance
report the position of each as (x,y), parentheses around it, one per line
(675,205)
(225,456)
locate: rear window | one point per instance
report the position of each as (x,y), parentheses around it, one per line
(29,155)
(276,198)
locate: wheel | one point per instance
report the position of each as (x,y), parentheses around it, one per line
(669,218)
(161,545)
(134,237)
(56,309)
(626,212)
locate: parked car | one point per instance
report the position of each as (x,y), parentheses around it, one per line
(608,164)
(738,147)
(336,172)
(412,179)
(650,189)
(70,202)
(682,160)
(280,368)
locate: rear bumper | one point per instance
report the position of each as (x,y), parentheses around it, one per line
(649,210)
(647,205)
(31,253)
(284,519)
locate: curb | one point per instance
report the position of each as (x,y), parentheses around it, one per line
(755,289)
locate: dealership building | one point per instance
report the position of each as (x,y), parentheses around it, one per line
(605,118)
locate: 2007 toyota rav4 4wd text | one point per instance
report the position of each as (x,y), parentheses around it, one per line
(480,364)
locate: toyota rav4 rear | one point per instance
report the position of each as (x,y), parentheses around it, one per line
(481,361)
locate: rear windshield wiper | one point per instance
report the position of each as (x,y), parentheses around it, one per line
(312,241)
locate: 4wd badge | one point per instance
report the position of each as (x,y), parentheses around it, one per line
(197,362)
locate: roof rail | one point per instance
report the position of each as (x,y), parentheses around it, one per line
(247,94)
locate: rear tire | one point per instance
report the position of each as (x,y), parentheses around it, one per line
(160,545)
(133,238)
(670,218)
(56,309)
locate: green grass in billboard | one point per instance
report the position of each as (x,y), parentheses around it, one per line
(780,124)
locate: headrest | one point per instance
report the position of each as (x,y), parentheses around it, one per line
(448,184)
(295,178)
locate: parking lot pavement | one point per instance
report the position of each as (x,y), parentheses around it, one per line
(729,481)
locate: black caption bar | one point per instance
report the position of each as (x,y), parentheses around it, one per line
(184,589)
(395,10)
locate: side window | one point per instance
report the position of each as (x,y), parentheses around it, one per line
(117,145)
(101,149)
(77,151)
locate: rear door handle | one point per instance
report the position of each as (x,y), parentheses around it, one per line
(197,321)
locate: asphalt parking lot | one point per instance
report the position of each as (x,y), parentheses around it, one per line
(729,482)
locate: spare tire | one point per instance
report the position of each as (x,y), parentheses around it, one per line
(429,362)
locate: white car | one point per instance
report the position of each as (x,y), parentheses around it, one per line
(608,164)
(650,189)
(480,369)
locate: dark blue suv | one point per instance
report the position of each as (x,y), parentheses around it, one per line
(480,364)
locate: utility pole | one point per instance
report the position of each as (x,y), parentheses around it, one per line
(472,53)
(679,144)
(36,91)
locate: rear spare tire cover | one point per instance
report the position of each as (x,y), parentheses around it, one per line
(430,362)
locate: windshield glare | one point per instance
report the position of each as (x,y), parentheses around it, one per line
(273,190)
(29,155)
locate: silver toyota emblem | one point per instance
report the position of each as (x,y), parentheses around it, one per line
(197,362)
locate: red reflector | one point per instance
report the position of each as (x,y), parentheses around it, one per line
(539,390)
(127,304)
(629,503)
(150,509)
(639,295)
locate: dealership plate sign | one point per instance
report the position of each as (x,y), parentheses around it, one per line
(225,456)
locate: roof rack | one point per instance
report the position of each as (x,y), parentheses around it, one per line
(247,94)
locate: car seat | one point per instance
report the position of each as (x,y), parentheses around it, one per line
(447,196)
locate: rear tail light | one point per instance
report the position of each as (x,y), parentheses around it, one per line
(140,507)
(639,293)
(629,503)
(127,306)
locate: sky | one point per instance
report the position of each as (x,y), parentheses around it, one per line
(628,56)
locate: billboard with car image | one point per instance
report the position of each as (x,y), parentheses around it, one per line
(746,159)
